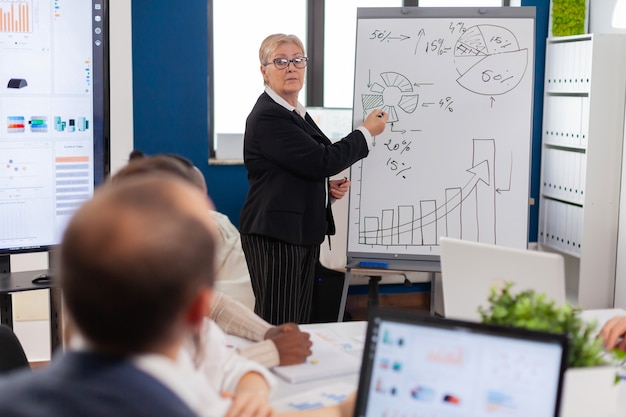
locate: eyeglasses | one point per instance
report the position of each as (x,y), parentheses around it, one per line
(282,63)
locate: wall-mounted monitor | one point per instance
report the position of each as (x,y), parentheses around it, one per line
(54,116)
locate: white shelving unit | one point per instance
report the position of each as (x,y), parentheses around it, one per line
(583,129)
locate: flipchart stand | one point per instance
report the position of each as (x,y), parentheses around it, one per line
(376,275)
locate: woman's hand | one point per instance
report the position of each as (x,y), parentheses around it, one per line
(338,188)
(376,122)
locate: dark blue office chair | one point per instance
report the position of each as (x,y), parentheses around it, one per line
(12,355)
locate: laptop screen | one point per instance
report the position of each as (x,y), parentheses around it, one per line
(416,365)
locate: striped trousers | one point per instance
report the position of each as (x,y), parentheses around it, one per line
(282,277)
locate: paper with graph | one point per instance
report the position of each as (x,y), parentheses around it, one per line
(328,360)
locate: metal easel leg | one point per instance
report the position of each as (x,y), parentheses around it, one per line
(372,290)
(433,278)
(344,295)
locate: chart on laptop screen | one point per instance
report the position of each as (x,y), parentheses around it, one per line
(434,372)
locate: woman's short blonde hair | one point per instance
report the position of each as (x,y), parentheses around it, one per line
(272,42)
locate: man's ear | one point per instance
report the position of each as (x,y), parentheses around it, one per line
(199,307)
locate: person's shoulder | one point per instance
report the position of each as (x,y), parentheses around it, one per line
(227,230)
(20,390)
(267,114)
(68,387)
(210,327)
(263,101)
(220,217)
(13,382)
(267,103)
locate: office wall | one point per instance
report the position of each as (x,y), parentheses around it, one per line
(541,32)
(121,83)
(601,17)
(170,94)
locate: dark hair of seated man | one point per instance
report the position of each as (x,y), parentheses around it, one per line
(164,162)
(124,273)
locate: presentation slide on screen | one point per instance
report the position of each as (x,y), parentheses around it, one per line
(46,117)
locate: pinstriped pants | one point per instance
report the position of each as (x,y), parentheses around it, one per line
(282,278)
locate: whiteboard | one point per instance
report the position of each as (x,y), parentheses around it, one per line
(454,159)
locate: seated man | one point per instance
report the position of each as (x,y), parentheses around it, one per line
(281,345)
(135,294)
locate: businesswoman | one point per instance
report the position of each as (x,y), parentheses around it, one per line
(287,213)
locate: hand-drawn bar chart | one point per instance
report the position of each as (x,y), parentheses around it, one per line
(467,211)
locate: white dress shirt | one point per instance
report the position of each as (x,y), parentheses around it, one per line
(197,382)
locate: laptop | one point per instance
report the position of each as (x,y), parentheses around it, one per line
(417,365)
(470,269)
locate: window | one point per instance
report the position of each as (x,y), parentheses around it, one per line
(339,44)
(237,80)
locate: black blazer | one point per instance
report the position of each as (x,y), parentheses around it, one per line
(289,161)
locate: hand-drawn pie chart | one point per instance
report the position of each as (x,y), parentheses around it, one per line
(395,91)
(489,60)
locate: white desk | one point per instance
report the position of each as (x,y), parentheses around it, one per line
(356,331)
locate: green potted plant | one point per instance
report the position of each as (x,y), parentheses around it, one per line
(569,17)
(588,366)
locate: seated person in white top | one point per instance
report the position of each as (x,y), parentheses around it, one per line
(233,278)
(135,295)
(285,344)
